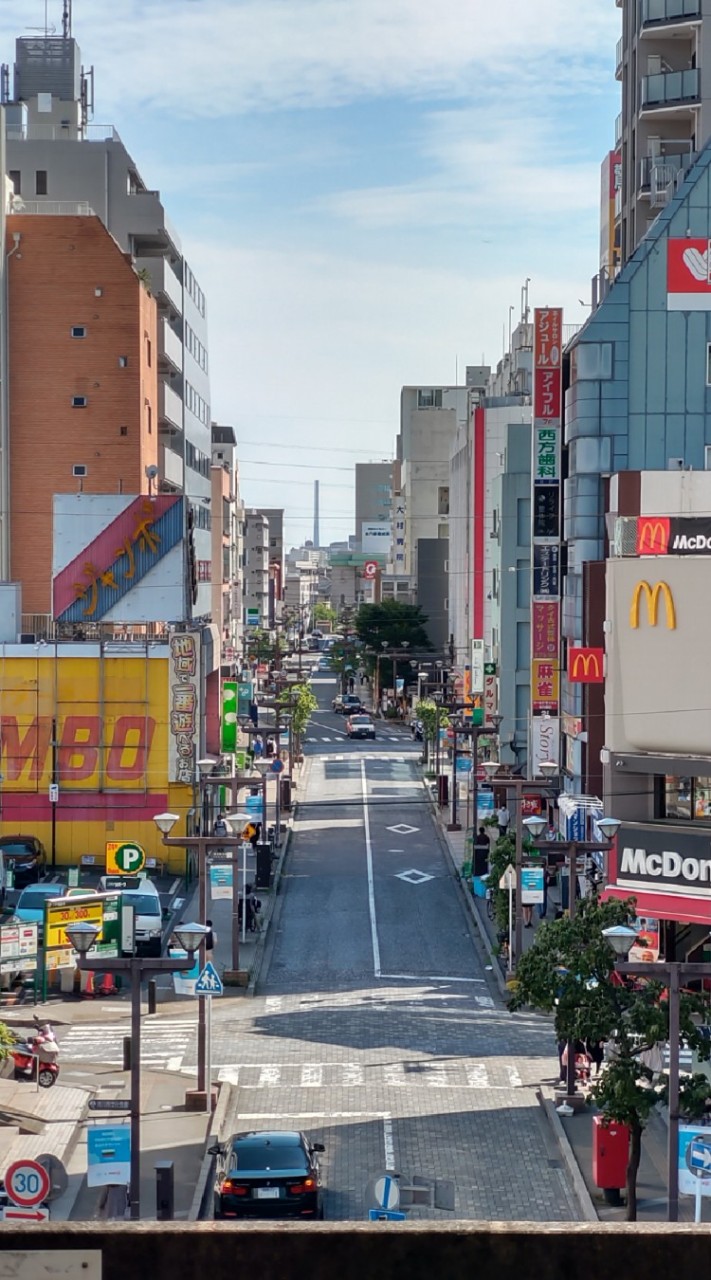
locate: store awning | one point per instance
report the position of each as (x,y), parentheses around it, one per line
(664,906)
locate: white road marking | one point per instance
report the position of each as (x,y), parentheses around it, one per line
(273,1004)
(477,1077)
(311,1077)
(486,1002)
(393,1074)
(388,1143)
(174,886)
(423,977)
(500,1076)
(353,1075)
(174,1064)
(514,1078)
(269,1077)
(369,865)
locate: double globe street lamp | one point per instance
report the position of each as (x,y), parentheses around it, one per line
(82,937)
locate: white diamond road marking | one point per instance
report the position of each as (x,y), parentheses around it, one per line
(485,1002)
(402,829)
(163,1043)
(418,1074)
(413,876)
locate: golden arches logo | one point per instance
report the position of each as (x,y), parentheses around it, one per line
(585,662)
(652,595)
(653,536)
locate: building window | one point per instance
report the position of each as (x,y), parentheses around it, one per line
(16,180)
(78,331)
(443,531)
(79,470)
(149,352)
(149,418)
(123,431)
(429,399)
(123,362)
(79,402)
(41,182)
(688,799)
(443,500)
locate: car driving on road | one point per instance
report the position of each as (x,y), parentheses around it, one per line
(268,1174)
(348,704)
(360,726)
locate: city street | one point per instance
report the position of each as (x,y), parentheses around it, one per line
(376,1028)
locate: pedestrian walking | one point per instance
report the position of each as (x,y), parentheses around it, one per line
(482,851)
(257,746)
(210,940)
(503,817)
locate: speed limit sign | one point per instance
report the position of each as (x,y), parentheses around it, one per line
(27,1183)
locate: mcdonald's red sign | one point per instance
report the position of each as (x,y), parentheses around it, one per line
(652,535)
(586,666)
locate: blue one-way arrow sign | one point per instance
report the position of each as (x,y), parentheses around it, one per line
(700,1156)
(209,983)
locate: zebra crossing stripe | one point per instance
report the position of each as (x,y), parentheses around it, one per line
(253,1077)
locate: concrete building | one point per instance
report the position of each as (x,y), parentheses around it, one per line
(511,592)
(76,298)
(256,570)
(432,591)
(58,161)
(639,398)
(663,62)
(227,542)
(301,592)
(374,485)
(275,517)
(429,420)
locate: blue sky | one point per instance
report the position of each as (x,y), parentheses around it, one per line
(362,187)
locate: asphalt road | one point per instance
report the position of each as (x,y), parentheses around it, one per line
(377,1028)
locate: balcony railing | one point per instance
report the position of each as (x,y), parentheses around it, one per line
(670,88)
(674,162)
(49,208)
(660,12)
(618,129)
(618,58)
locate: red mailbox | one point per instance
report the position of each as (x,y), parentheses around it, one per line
(610,1156)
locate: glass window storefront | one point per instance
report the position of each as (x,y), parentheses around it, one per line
(688,799)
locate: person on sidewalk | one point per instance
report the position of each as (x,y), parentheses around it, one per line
(527,912)
(210,940)
(220,828)
(482,853)
(503,817)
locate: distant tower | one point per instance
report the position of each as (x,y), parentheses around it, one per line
(317,535)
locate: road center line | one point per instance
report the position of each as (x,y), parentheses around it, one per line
(369,865)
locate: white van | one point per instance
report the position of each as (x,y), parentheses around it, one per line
(140,893)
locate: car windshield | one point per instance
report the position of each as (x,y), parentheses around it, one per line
(144,904)
(18,847)
(362,720)
(37,894)
(251,1158)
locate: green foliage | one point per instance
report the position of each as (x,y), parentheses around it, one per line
(503,855)
(300,700)
(427,713)
(259,645)
(394,622)
(324,613)
(567,972)
(7,1041)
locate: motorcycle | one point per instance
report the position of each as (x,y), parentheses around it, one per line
(36,1057)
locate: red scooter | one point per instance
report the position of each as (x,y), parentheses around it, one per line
(36,1058)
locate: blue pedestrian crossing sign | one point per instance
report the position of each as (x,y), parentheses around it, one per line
(209,983)
(386,1215)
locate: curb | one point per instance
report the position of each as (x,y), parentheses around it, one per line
(470,906)
(207,1169)
(577,1181)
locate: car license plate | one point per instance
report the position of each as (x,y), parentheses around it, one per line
(267,1193)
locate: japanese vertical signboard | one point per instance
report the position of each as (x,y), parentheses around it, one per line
(229,716)
(399,533)
(546,517)
(184,705)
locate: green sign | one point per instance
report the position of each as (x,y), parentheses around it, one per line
(489,668)
(229,715)
(241,760)
(125,859)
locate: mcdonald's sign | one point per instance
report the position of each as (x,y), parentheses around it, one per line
(652,595)
(653,535)
(586,666)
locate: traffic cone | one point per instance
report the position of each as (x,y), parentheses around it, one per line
(107,986)
(87,984)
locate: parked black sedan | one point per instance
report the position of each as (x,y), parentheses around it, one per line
(268,1174)
(25,856)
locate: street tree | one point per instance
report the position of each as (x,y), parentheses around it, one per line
(392,626)
(324,613)
(569,972)
(299,701)
(432,715)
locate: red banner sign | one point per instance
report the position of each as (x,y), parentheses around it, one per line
(586,666)
(547,365)
(545,637)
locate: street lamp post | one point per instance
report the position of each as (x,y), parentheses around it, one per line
(82,937)
(165,823)
(475,732)
(672,973)
(568,849)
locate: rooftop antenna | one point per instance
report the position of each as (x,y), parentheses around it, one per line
(47,29)
(67,20)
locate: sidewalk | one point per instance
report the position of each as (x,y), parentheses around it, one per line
(574,1133)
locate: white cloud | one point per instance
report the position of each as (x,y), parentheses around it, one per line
(207,58)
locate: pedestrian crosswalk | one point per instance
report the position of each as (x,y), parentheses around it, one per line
(416,1073)
(164,1042)
(379,737)
(374,759)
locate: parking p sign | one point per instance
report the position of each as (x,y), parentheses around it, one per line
(124,859)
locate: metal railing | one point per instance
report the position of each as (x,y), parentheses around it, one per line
(676,161)
(56,208)
(662,11)
(670,87)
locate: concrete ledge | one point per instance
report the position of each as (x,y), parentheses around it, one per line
(203,1186)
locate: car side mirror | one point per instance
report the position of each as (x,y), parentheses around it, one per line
(217,1149)
(317,1146)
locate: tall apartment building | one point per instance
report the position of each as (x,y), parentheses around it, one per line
(663,62)
(83,384)
(227,539)
(429,420)
(275,517)
(374,485)
(57,160)
(256,570)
